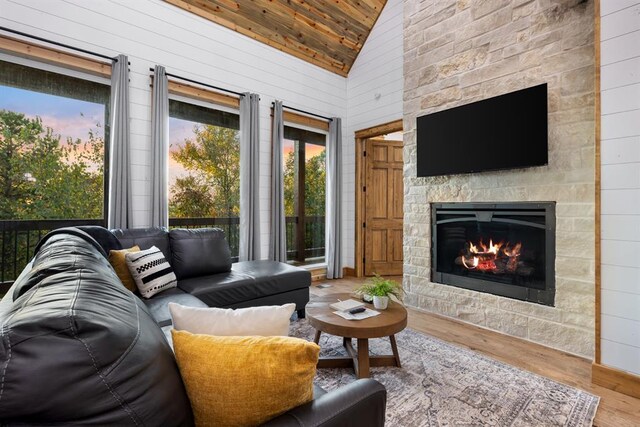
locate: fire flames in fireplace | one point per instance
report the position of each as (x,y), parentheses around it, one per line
(497,258)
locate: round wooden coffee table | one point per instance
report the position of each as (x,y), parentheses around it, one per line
(387,324)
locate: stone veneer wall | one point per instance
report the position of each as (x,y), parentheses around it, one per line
(457,52)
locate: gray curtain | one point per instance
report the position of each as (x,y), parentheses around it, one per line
(278,241)
(333,224)
(159,149)
(249,177)
(119,212)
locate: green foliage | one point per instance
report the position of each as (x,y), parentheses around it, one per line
(42,178)
(378,286)
(314,184)
(212,188)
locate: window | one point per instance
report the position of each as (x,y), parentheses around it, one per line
(304,194)
(204,169)
(52,145)
(53,158)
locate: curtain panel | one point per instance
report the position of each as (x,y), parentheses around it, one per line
(278,241)
(119,211)
(249,245)
(333,224)
(159,149)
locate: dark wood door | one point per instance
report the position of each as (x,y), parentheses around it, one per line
(384,195)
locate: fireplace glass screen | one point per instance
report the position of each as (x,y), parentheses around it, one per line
(504,249)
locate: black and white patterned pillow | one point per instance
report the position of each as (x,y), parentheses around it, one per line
(151,271)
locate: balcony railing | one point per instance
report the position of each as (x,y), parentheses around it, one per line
(18,239)
(305,239)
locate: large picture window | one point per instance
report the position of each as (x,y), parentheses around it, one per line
(204,169)
(304,195)
(52,145)
(53,158)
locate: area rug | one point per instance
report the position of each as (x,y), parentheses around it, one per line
(441,385)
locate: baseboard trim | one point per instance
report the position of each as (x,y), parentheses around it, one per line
(318,274)
(616,380)
(349,272)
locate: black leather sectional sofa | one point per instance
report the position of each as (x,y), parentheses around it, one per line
(77,347)
(201,260)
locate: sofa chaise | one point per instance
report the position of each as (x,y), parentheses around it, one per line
(77,347)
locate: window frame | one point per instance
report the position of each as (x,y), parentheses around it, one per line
(75,73)
(300,224)
(204,103)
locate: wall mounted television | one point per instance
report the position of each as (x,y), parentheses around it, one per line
(505,132)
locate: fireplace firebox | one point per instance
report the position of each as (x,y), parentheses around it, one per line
(505,249)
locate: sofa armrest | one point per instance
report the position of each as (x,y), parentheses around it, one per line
(362,403)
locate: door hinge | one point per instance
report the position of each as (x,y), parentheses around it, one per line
(363,260)
(364,189)
(364,225)
(364,154)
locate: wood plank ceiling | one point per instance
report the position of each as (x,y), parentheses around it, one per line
(327,33)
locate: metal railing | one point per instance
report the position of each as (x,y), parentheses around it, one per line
(18,238)
(305,240)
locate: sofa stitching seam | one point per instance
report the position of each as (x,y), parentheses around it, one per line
(93,360)
(5,333)
(133,343)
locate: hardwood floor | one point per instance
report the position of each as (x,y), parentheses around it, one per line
(615,409)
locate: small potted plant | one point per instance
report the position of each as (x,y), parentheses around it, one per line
(380,288)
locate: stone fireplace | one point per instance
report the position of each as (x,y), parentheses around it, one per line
(457,52)
(505,249)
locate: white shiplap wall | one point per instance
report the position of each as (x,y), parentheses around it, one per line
(620,86)
(153,32)
(374,88)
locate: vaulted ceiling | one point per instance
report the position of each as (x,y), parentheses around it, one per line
(327,33)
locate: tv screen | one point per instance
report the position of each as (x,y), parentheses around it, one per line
(505,132)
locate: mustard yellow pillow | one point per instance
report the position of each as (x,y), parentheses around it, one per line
(244,381)
(119,264)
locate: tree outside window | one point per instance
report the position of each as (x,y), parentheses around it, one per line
(204,169)
(304,195)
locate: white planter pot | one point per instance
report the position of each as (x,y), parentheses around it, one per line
(381,303)
(367,298)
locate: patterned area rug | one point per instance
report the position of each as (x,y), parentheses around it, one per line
(440,384)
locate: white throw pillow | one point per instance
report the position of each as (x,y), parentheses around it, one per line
(267,321)
(151,271)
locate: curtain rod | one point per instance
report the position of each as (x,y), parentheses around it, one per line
(329,119)
(202,84)
(66,46)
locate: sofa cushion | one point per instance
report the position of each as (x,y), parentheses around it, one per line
(104,237)
(119,263)
(266,321)
(222,289)
(159,305)
(244,381)
(79,348)
(272,277)
(145,238)
(199,252)
(151,271)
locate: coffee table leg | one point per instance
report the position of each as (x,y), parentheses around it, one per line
(363,358)
(317,338)
(394,349)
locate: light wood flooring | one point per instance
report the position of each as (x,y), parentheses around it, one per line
(615,409)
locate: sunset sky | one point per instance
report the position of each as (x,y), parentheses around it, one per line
(71,118)
(67,117)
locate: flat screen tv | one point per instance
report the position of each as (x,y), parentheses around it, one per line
(505,132)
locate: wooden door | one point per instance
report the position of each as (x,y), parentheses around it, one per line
(384,195)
